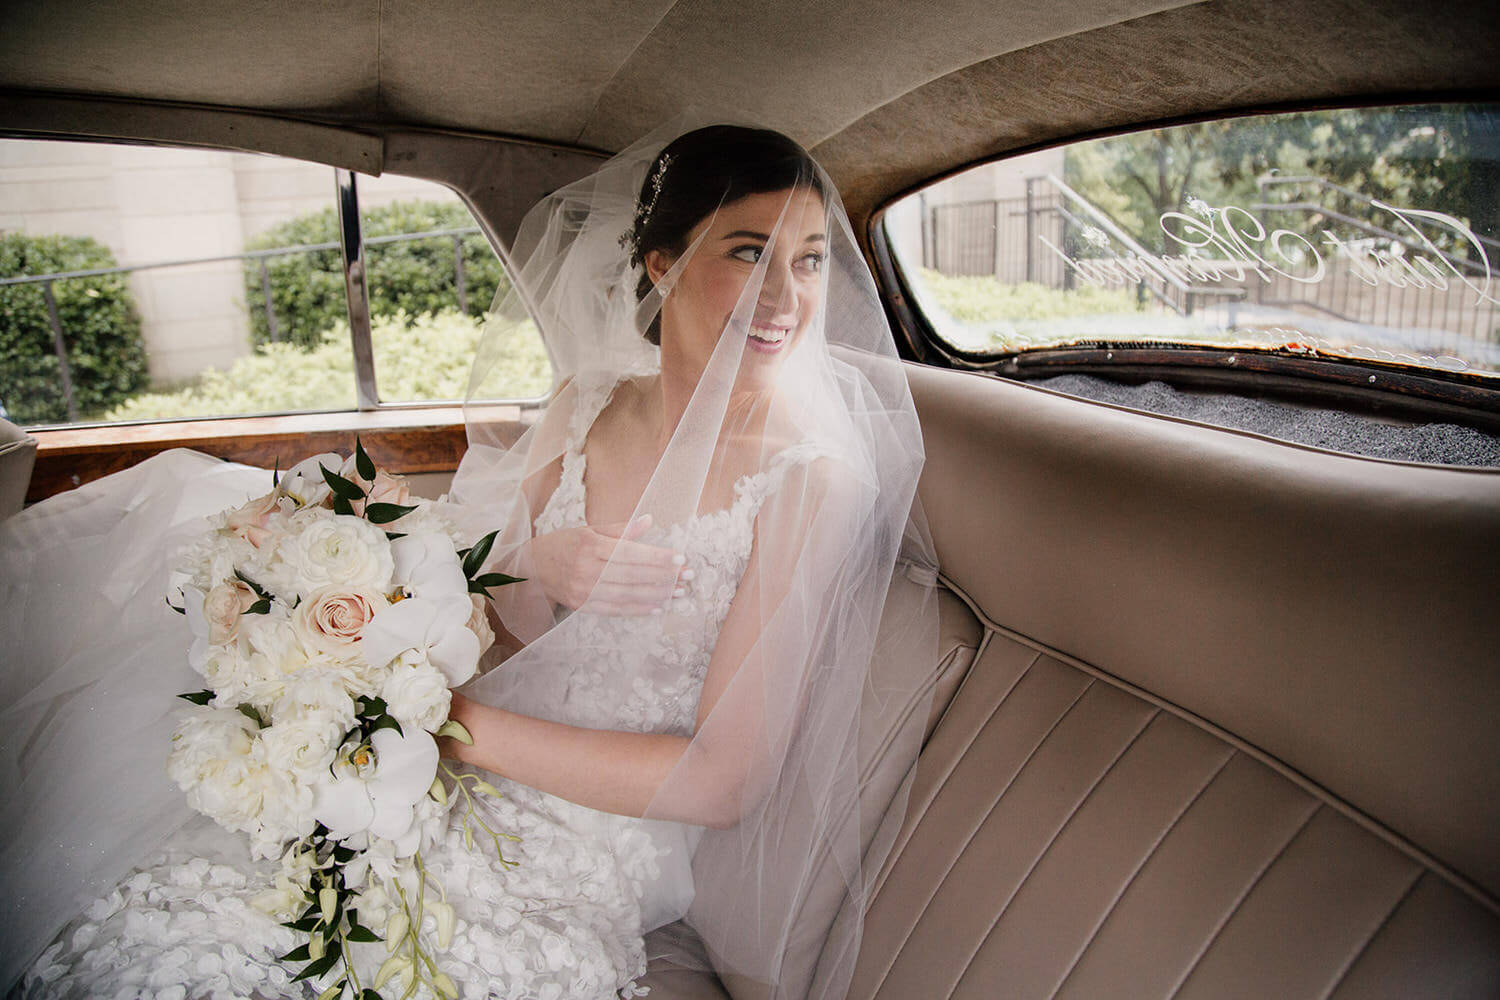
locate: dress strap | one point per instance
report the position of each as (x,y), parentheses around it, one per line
(753,488)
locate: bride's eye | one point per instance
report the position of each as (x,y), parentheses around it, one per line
(812,261)
(749,253)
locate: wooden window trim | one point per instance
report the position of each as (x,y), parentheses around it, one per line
(405,440)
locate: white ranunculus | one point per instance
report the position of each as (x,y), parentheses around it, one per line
(301,745)
(304,482)
(439,629)
(377,789)
(427,565)
(417,696)
(336,550)
(317,696)
(205,737)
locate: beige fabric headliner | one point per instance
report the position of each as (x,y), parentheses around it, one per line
(888,92)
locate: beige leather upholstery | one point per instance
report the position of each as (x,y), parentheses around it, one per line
(1230,732)
(17,455)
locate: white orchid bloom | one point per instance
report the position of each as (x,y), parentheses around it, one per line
(427,565)
(304,482)
(439,629)
(376,789)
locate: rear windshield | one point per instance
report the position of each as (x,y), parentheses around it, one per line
(1367,233)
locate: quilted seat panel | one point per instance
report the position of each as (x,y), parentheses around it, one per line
(1068,838)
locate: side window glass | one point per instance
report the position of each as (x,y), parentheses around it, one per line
(1361,233)
(139,283)
(432,276)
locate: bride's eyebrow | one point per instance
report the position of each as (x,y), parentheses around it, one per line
(749,234)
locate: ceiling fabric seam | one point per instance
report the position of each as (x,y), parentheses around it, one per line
(604,87)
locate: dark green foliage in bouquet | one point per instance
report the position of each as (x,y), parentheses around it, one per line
(417,276)
(101,329)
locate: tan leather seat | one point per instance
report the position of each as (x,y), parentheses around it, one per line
(1230,731)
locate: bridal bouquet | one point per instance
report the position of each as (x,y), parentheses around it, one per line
(330,619)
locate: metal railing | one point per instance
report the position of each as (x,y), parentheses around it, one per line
(261,257)
(1024,239)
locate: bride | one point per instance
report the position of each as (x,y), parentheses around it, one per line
(706,516)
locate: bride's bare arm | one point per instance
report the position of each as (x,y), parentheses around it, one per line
(707,780)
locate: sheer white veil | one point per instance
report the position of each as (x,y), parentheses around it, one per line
(812,713)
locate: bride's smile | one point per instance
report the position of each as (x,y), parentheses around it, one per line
(770,245)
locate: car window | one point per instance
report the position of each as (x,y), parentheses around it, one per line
(142,283)
(1368,233)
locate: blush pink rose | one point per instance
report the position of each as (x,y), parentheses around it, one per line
(225,604)
(479,622)
(251,521)
(331,620)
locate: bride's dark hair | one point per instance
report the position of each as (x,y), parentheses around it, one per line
(701,170)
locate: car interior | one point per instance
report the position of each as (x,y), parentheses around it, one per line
(1215,704)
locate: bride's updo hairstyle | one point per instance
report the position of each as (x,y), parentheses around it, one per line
(697,173)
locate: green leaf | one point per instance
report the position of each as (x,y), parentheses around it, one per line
(370,705)
(478,554)
(369,994)
(321,966)
(296,955)
(305,925)
(249,712)
(198,697)
(276,472)
(259,590)
(484,581)
(362,933)
(180,611)
(342,506)
(385,513)
(341,487)
(390,536)
(362,463)
(343,855)
(385,722)
(260,607)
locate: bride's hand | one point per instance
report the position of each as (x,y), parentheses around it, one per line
(605,566)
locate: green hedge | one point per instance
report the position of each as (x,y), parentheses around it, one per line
(414,276)
(421,357)
(981,298)
(100,326)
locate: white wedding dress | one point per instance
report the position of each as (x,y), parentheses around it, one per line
(567,920)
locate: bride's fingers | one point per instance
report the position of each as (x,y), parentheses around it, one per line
(635,573)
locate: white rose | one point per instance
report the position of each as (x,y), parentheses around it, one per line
(417,696)
(337,550)
(437,629)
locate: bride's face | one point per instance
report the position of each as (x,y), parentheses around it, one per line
(735,242)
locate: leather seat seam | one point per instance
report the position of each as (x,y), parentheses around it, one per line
(1364,946)
(1450,875)
(1140,866)
(1239,900)
(937,887)
(1052,841)
(910,832)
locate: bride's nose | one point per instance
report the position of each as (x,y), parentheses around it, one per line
(778,292)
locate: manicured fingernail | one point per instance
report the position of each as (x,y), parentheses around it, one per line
(679,559)
(686,574)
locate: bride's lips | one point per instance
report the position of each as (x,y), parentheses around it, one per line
(768,338)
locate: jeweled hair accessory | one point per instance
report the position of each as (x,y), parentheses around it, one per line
(631,239)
